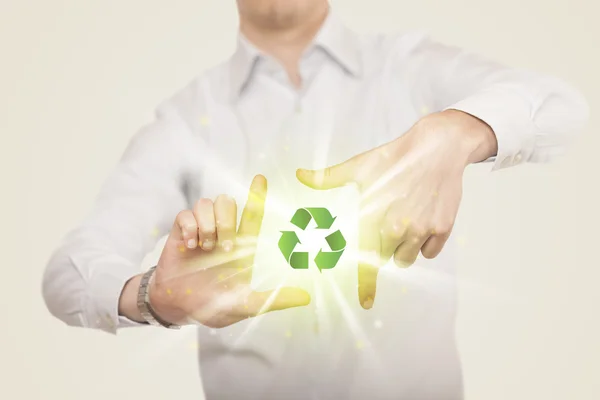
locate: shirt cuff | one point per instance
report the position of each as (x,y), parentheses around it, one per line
(105,287)
(509,116)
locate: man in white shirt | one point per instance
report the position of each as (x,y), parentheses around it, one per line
(394,119)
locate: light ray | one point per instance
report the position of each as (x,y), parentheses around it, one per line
(215,261)
(361,339)
(351,320)
(319,302)
(388,175)
(254,321)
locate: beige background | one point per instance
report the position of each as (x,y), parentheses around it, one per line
(77,78)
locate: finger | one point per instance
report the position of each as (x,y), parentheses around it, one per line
(257,303)
(185,229)
(434,245)
(394,230)
(253,212)
(407,252)
(367,284)
(369,263)
(330,177)
(205,217)
(226,220)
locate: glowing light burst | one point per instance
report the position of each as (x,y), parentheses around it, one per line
(416,278)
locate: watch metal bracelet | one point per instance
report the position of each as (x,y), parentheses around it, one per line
(143,303)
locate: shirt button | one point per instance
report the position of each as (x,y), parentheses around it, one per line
(518,158)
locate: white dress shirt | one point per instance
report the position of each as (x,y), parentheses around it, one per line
(244,117)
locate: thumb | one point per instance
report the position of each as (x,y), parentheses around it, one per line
(330,177)
(273,300)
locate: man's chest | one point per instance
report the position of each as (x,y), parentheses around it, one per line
(273,130)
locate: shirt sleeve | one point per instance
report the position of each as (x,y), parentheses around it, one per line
(534,117)
(137,205)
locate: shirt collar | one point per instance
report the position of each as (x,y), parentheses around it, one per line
(242,64)
(341,43)
(337,40)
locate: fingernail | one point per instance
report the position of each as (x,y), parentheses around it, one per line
(208,244)
(227,245)
(192,243)
(368,303)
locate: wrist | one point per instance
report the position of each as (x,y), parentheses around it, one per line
(128,300)
(477,139)
(163,307)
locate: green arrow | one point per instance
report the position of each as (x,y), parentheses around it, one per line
(301,218)
(287,242)
(327,260)
(336,241)
(299,260)
(322,217)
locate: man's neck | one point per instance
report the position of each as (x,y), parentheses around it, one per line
(285,43)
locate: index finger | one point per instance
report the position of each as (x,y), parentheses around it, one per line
(369,261)
(253,212)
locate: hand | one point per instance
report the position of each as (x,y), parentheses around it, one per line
(205,269)
(410,190)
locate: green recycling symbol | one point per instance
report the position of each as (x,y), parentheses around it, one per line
(324,259)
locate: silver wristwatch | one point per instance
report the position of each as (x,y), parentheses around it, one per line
(143,303)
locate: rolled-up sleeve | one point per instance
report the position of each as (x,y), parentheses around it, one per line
(535,117)
(137,204)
